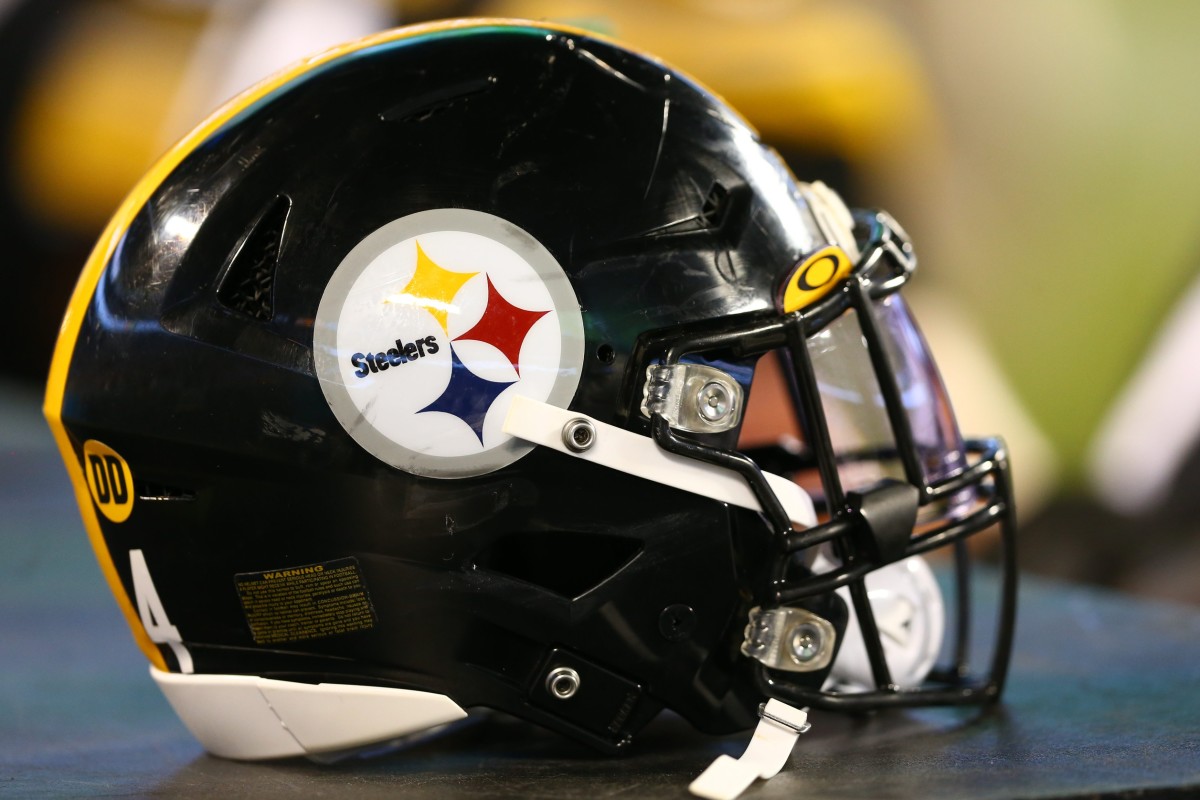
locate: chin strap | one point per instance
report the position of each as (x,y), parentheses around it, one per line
(591,440)
(776,734)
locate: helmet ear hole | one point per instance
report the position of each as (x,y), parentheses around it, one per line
(248,280)
(564,562)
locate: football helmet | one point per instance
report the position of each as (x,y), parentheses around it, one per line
(492,365)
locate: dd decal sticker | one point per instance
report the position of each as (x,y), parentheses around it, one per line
(431,325)
(109,480)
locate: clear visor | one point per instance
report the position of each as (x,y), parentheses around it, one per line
(856,414)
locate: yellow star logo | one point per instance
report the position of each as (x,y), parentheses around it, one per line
(432,288)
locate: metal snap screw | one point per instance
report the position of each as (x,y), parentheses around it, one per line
(806,642)
(715,401)
(677,622)
(562,683)
(579,435)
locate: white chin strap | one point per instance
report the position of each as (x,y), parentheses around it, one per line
(776,734)
(637,455)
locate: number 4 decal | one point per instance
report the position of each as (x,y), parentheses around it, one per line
(154,616)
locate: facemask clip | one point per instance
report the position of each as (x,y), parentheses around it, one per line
(693,397)
(790,639)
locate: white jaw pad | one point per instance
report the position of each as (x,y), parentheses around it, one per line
(911,617)
(639,456)
(247,717)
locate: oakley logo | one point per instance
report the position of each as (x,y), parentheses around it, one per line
(814,278)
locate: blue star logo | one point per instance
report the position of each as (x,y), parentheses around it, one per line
(467,396)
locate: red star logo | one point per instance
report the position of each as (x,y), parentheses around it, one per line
(503,326)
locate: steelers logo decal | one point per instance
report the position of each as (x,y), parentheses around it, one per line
(431,325)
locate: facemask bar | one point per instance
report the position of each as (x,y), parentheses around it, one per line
(884,267)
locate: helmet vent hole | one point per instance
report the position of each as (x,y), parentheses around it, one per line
(716,206)
(248,283)
(566,563)
(149,491)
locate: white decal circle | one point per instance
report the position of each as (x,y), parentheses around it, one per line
(431,325)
